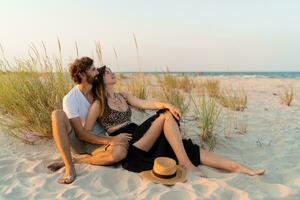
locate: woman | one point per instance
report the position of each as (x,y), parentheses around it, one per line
(157,136)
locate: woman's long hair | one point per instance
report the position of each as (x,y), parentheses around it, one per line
(99,92)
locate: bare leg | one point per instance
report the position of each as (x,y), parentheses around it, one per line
(152,134)
(167,123)
(111,155)
(61,127)
(213,160)
(173,136)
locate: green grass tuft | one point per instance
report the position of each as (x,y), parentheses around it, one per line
(207,114)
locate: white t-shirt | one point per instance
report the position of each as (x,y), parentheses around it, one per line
(75,104)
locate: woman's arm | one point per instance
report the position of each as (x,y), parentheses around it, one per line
(85,133)
(151,105)
(92,116)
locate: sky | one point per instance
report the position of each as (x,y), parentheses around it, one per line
(202,35)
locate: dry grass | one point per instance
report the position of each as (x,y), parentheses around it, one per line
(212,87)
(99,53)
(287,96)
(122,76)
(168,80)
(117,58)
(137,86)
(207,113)
(137,53)
(119,86)
(234,122)
(169,92)
(200,88)
(242,127)
(31,88)
(186,84)
(233,99)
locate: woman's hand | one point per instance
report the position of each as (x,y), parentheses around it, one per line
(174,110)
(121,139)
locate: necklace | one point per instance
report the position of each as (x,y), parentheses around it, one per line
(114,99)
(117,102)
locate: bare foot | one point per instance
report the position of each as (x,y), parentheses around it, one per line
(56,166)
(69,176)
(256,172)
(249,171)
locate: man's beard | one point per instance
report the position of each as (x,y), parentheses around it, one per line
(91,80)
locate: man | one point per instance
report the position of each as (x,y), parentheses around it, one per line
(68,126)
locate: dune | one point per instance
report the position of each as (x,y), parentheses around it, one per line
(272,142)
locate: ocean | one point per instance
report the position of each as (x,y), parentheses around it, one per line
(295,75)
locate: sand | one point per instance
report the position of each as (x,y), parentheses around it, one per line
(272,142)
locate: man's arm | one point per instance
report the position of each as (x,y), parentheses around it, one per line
(84,133)
(70,106)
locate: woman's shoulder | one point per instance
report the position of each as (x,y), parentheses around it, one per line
(96,103)
(124,94)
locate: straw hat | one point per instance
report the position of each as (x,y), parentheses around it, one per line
(165,171)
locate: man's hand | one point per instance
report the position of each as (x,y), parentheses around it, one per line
(121,139)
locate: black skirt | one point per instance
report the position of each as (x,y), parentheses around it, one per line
(138,160)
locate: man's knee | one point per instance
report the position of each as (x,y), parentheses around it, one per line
(57,115)
(60,120)
(118,153)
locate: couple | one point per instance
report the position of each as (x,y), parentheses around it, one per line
(96,120)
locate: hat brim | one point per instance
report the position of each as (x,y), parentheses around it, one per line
(180,176)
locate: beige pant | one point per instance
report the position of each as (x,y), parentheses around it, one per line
(81,147)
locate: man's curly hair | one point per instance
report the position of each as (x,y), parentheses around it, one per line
(78,67)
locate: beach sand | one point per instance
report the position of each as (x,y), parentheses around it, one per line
(272,142)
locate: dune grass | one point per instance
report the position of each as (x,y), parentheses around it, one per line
(234,122)
(168,80)
(242,127)
(234,99)
(212,87)
(200,88)
(207,114)
(138,86)
(186,84)
(170,93)
(31,88)
(287,96)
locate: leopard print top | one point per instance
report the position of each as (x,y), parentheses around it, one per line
(115,117)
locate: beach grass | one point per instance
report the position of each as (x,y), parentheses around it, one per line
(234,99)
(242,127)
(186,84)
(168,80)
(207,114)
(31,88)
(170,93)
(287,96)
(212,87)
(138,86)
(235,122)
